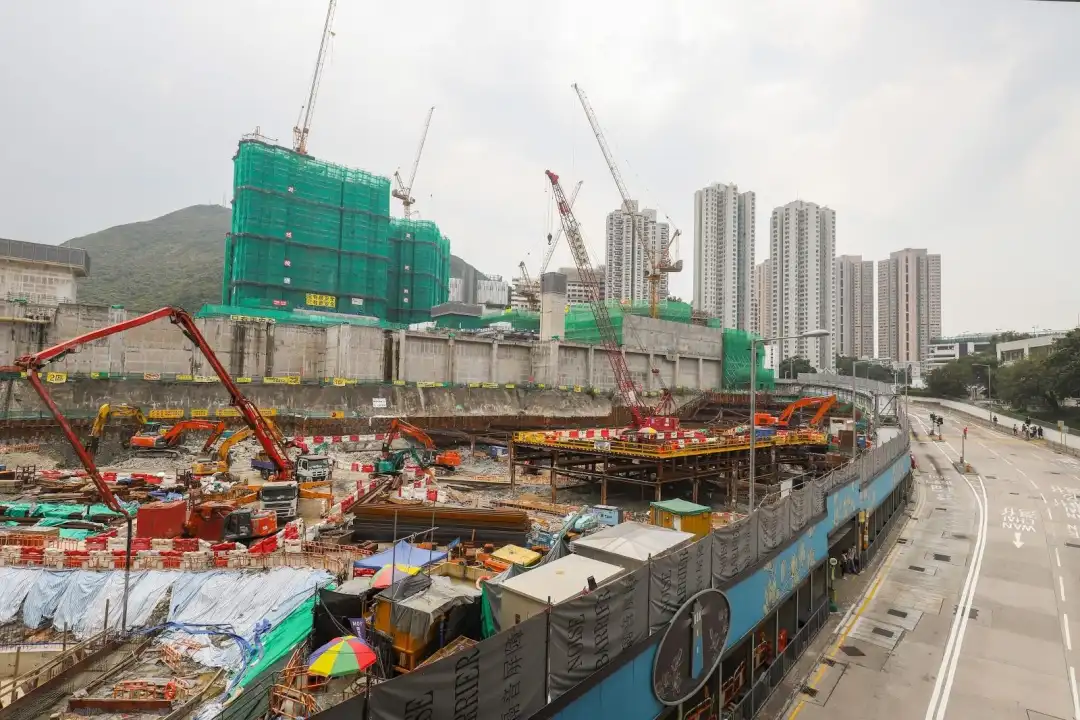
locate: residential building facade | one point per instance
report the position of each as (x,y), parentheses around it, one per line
(761,300)
(945,350)
(909,304)
(802,250)
(626,262)
(724,265)
(853,306)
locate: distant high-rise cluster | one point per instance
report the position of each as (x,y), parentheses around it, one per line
(803,285)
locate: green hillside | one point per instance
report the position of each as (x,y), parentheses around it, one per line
(176,259)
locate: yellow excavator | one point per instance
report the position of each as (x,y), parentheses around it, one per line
(105,412)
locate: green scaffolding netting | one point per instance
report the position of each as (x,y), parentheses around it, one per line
(736,362)
(297,317)
(306,234)
(419,276)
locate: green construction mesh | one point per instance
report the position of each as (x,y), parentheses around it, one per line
(306,234)
(419,276)
(287,317)
(736,362)
(581,322)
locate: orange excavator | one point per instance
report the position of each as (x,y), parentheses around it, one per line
(154,436)
(824,404)
(448,460)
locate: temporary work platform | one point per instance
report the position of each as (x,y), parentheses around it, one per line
(630,544)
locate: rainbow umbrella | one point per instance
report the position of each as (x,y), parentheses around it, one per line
(388,575)
(341,656)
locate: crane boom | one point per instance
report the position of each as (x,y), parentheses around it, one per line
(653,272)
(303,128)
(403,191)
(558,233)
(624,382)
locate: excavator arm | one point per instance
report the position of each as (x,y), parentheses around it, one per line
(819,416)
(172,435)
(823,403)
(105,412)
(400,427)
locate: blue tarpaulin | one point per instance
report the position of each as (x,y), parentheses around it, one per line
(404,553)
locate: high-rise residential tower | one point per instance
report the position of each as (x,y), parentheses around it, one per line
(909,304)
(626,266)
(724,254)
(802,249)
(761,308)
(853,306)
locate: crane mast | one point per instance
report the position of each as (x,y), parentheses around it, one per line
(403,192)
(642,415)
(303,127)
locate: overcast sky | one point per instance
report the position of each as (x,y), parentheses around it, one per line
(953,126)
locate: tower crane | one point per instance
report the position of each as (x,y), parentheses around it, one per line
(657,266)
(303,126)
(529,290)
(643,416)
(403,192)
(553,241)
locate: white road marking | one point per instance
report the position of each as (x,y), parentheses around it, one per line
(939,700)
(1049,515)
(1061,587)
(1068,635)
(1044,498)
(1057,556)
(1076,697)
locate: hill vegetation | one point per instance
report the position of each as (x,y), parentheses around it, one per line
(176,259)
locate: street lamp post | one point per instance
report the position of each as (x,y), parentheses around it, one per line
(989,393)
(854,420)
(753,394)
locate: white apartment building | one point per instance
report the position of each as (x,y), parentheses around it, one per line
(627,265)
(802,250)
(724,254)
(909,304)
(493,292)
(942,351)
(761,300)
(853,306)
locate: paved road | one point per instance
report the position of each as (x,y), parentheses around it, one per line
(973,612)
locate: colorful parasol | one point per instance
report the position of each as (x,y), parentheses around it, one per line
(341,656)
(387,575)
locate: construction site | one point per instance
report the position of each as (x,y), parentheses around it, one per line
(338,495)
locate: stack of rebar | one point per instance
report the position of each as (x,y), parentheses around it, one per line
(471,526)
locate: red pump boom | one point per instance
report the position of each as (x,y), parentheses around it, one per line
(32,364)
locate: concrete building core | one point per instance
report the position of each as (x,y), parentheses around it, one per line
(552,306)
(40,274)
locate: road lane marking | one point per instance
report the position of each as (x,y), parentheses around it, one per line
(1068,636)
(1057,556)
(939,699)
(1049,515)
(1044,498)
(1076,697)
(1061,587)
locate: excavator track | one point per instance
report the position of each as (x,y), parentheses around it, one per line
(157,452)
